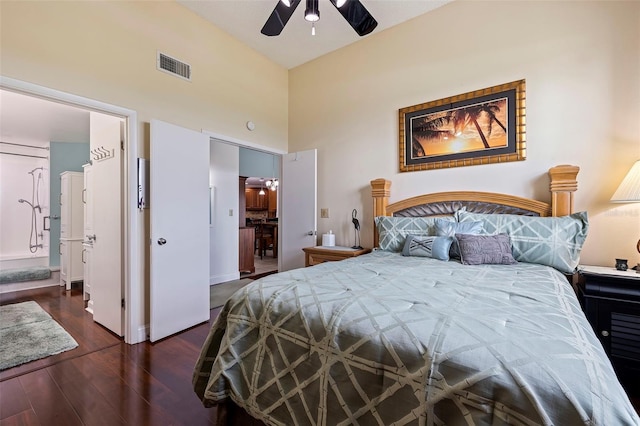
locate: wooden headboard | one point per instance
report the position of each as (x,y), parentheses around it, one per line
(563,183)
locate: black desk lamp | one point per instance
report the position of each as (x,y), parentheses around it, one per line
(356,224)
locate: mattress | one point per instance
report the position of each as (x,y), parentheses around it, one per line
(386,339)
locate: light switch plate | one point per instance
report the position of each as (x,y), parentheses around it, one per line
(324,213)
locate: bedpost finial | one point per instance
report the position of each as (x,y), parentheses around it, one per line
(563,183)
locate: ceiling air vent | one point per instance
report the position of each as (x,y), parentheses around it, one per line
(173,66)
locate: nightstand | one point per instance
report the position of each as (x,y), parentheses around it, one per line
(611,302)
(321,254)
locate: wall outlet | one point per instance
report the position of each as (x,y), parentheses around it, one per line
(324,213)
(230,212)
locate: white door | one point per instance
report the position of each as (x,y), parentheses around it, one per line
(179,209)
(298,222)
(105,207)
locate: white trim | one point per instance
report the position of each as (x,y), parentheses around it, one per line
(132,262)
(217,279)
(142,333)
(242,143)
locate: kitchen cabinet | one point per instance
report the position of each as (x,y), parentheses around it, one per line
(273,203)
(255,201)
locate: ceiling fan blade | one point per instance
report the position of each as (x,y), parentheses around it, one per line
(279,18)
(357,16)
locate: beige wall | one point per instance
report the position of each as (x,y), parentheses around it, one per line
(106,50)
(581,62)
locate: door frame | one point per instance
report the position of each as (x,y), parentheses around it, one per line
(134,327)
(217,137)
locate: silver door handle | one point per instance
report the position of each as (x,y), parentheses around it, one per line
(91,238)
(162,241)
(311,233)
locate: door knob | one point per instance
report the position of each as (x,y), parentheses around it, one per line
(311,233)
(162,241)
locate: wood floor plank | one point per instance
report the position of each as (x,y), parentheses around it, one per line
(48,402)
(25,418)
(13,399)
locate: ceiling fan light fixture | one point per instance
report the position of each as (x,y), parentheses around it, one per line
(286,3)
(339,3)
(312,13)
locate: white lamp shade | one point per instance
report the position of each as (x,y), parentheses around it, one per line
(629,189)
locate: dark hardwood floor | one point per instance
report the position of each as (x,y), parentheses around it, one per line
(103,381)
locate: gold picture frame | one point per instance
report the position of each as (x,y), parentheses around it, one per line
(485,126)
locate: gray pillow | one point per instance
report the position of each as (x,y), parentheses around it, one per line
(450,229)
(485,249)
(434,247)
(551,241)
(393,231)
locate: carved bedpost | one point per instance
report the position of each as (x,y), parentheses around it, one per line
(563,184)
(380,192)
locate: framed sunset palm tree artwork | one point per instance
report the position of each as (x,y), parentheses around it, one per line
(481,127)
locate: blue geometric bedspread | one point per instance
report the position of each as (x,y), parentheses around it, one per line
(386,339)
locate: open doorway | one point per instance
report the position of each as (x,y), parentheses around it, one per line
(128,141)
(259,209)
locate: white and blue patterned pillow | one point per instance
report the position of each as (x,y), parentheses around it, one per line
(393,231)
(450,229)
(551,241)
(434,247)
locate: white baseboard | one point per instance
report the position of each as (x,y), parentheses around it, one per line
(142,334)
(216,279)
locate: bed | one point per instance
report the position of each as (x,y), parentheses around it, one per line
(404,336)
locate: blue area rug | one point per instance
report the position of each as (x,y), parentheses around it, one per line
(18,275)
(28,333)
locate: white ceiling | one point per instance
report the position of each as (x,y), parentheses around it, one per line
(28,119)
(31,120)
(243,19)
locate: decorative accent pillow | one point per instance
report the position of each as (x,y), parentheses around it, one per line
(392,231)
(450,229)
(485,249)
(551,241)
(434,247)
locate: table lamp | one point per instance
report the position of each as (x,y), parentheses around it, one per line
(629,191)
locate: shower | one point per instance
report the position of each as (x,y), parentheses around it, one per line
(35,205)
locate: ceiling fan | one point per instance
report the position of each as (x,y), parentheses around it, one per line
(352,10)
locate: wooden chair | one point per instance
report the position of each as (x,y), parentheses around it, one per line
(265,239)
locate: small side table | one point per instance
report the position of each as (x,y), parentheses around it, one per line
(611,302)
(321,254)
